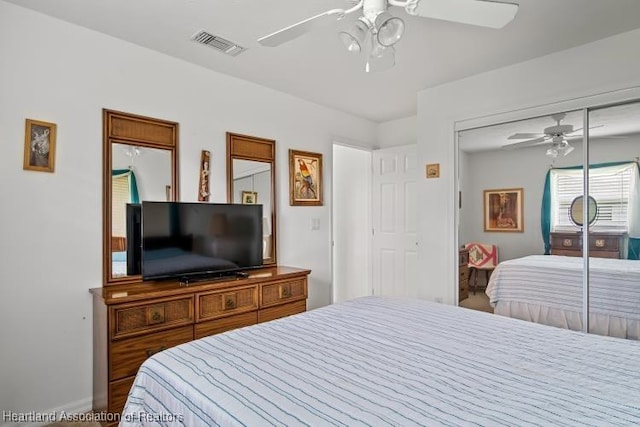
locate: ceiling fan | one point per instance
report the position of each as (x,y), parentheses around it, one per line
(555,135)
(376,31)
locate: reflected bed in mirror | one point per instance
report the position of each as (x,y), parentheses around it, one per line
(140,164)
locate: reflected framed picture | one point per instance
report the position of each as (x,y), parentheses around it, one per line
(305,178)
(249,198)
(39,146)
(503,210)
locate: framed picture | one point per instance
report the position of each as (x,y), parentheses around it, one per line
(39,146)
(433,170)
(249,197)
(503,210)
(305,178)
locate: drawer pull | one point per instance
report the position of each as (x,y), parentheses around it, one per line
(567,242)
(230,302)
(156,350)
(285,291)
(599,243)
(155,314)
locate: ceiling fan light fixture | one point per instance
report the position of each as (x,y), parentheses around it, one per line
(552,152)
(566,148)
(380,58)
(354,38)
(389,28)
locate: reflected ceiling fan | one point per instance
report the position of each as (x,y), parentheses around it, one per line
(555,135)
(376,31)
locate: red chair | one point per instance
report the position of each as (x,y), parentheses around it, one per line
(481,257)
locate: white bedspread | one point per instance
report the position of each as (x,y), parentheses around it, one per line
(548,289)
(391,362)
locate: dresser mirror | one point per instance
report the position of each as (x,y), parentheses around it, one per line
(140,164)
(251,180)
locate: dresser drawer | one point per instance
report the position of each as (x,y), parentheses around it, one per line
(118,393)
(225,324)
(212,305)
(601,245)
(283,310)
(566,241)
(463,257)
(282,292)
(464,274)
(131,319)
(607,243)
(126,356)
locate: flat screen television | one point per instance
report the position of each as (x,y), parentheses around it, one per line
(190,241)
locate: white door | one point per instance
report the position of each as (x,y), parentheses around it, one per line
(351,222)
(395,228)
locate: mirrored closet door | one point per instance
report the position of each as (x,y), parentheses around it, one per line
(509,218)
(613,220)
(565,237)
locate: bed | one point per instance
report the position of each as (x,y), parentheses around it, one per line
(548,289)
(377,361)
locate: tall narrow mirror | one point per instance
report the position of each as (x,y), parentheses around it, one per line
(251,180)
(140,164)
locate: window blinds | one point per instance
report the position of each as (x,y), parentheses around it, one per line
(610,186)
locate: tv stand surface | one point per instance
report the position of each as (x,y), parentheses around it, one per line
(133,321)
(190,280)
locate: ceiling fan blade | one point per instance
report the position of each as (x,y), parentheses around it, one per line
(296,30)
(525,135)
(484,13)
(525,143)
(579,129)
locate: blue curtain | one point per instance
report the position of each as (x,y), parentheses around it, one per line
(545,217)
(135,198)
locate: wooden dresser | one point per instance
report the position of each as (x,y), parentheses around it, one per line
(601,245)
(463,271)
(132,322)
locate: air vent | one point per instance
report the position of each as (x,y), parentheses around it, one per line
(217,43)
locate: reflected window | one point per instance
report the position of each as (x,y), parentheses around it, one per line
(609,185)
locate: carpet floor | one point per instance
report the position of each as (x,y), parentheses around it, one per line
(479,301)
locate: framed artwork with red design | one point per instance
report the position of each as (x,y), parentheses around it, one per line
(503,210)
(305,178)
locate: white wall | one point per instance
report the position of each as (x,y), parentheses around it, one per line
(523,168)
(395,133)
(559,82)
(51,224)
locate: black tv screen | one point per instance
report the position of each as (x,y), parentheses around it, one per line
(190,240)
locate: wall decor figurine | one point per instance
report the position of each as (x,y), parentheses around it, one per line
(39,146)
(305,178)
(203,187)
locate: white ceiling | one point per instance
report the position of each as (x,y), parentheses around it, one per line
(316,67)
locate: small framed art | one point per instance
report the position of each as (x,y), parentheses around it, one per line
(39,146)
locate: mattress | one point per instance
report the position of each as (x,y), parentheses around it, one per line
(548,289)
(391,362)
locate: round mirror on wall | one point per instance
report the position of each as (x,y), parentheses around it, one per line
(576,210)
